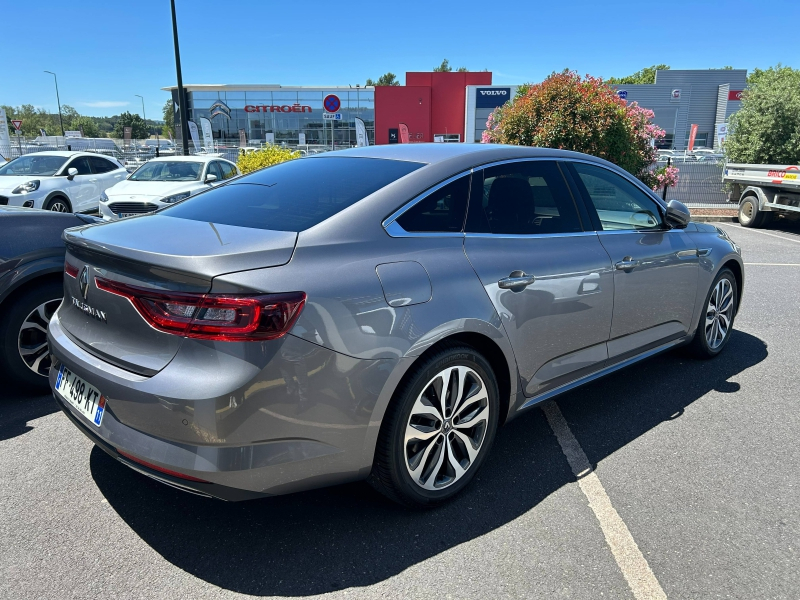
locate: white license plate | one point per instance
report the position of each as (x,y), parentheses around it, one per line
(86,398)
(125,215)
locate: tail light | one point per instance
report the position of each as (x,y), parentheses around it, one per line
(131,457)
(212,316)
(70,270)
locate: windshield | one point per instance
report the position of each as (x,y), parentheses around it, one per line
(294,195)
(32,164)
(168,171)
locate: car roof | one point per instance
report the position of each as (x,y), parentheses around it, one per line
(64,153)
(431,153)
(193,158)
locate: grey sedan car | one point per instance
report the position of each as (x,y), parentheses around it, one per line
(374,313)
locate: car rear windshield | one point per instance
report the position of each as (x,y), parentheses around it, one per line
(178,170)
(294,195)
(33,165)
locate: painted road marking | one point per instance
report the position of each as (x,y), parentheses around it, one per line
(773,264)
(780,237)
(631,561)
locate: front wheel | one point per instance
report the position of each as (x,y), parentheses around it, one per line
(750,215)
(58,204)
(438,430)
(716,322)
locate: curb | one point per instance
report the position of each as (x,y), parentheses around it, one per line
(714,218)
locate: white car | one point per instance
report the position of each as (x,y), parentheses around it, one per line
(59,181)
(162,181)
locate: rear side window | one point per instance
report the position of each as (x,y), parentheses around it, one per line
(101,165)
(522,198)
(440,211)
(294,195)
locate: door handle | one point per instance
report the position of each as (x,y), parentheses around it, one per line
(517,279)
(626,264)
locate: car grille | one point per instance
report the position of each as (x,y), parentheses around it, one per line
(132,207)
(3,200)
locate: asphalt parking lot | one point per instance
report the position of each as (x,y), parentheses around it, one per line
(693,493)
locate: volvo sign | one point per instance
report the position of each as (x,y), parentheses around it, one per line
(491,97)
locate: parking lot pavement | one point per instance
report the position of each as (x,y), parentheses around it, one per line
(699,462)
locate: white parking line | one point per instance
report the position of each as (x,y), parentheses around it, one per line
(631,561)
(773,264)
(780,237)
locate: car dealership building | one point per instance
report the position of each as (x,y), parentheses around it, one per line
(440,107)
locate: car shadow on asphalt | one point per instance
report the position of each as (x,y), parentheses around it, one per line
(17,408)
(350,536)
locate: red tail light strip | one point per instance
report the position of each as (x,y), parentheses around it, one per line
(159,469)
(212,316)
(71,270)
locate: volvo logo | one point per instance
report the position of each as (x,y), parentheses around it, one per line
(493,92)
(83,281)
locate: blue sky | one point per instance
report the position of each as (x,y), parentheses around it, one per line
(105,52)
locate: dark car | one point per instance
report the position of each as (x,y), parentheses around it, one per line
(31,287)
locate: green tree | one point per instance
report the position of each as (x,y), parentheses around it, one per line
(85,124)
(462,70)
(385,79)
(766,129)
(444,67)
(568,112)
(646,75)
(128,119)
(169,118)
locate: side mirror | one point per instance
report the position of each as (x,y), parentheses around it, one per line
(678,215)
(211,178)
(71,173)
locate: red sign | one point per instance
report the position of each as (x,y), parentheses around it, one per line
(735,95)
(403,133)
(16,123)
(285,108)
(332,103)
(692,136)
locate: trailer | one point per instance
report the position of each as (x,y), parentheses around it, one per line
(763,192)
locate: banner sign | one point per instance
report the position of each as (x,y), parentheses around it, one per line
(692,136)
(242,138)
(269,138)
(193,133)
(403,133)
(722,133)
(491,97)
(126,133)
(208,137)
(301,141)
(361,133)
(734,95)
(5,138)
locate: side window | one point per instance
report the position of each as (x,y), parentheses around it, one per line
(440,211)
(82,164)
(620,205)
(101,165)
(522,198)
(228,170)
(213,169)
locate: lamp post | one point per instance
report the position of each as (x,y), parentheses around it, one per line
(144,116)
(181,94)
(60,119)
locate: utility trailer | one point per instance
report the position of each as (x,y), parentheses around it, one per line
(764,192)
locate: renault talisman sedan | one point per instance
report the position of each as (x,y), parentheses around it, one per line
(375,313)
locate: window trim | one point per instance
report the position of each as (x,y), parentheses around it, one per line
(593,216)
(394,229)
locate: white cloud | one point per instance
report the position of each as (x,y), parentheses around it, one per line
(104,104)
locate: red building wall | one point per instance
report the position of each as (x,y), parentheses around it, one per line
(429,103)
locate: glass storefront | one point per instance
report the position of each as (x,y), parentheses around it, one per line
(285,113)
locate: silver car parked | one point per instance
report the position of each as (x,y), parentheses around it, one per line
(373,313)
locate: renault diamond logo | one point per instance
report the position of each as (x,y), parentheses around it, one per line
(220,108)
(83,281)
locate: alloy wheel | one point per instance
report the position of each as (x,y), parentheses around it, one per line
(59,206)
(719,314)
(446,429)
(32,339)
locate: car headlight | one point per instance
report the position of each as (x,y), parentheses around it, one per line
(28,186)
(176,197)
(103,197)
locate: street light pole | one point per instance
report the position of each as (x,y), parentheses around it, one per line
(144,116)
(181,93)
(60,119)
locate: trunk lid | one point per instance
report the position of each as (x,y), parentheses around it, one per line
(158,252)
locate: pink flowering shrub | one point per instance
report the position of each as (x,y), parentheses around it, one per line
(586,115)
(664,177)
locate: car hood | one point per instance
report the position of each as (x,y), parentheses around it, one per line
(127,189)
(9,182)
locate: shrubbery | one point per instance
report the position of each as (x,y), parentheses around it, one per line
(568,112)
(271,155)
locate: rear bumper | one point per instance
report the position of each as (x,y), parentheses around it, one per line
(296,421)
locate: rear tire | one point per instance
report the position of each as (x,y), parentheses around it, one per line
(716,321)
(433,440)
(58,204)
(24,332)
(750,215)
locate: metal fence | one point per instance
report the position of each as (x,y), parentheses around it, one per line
(699,183)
